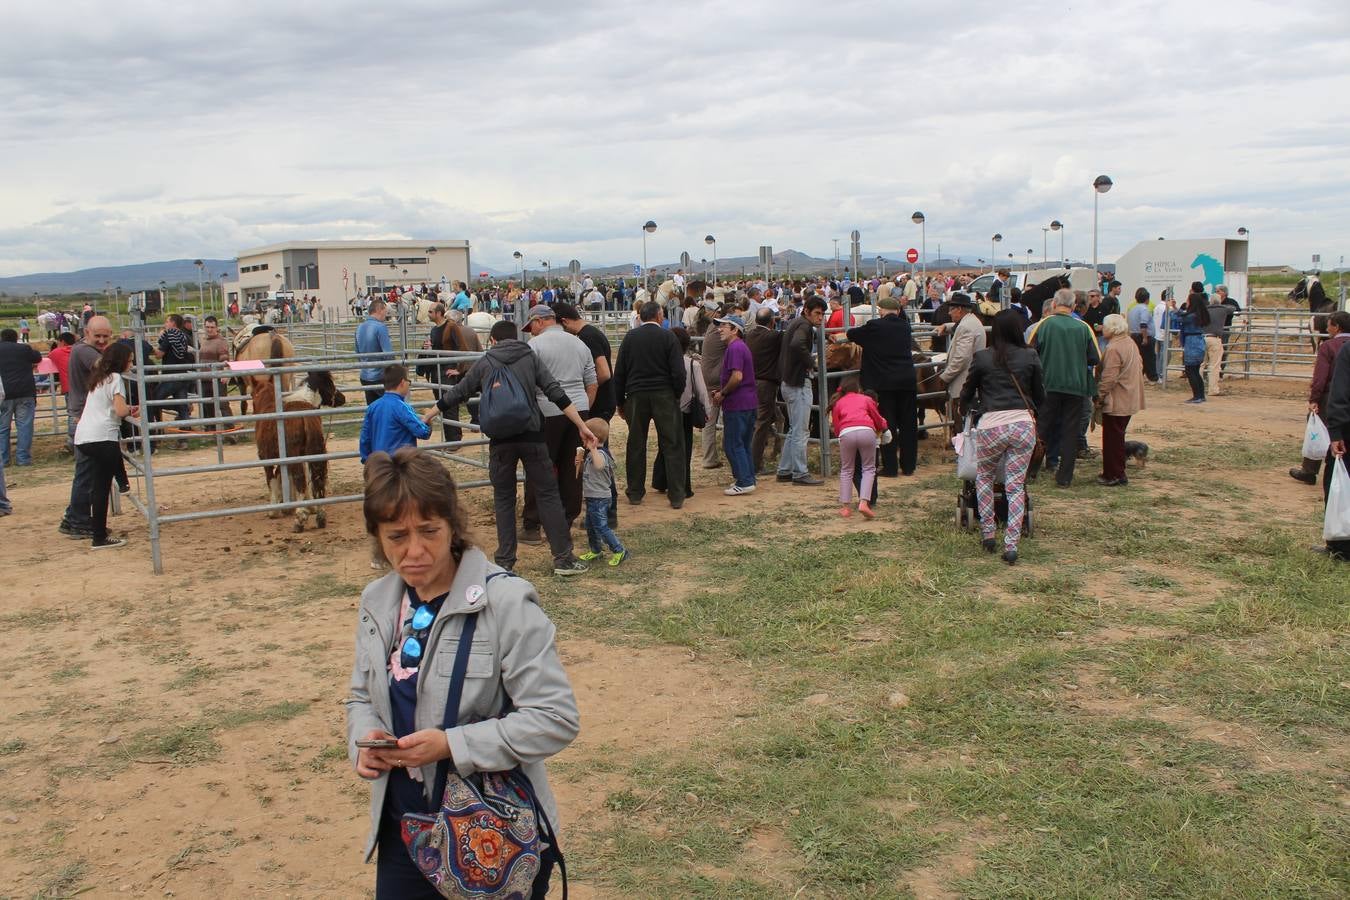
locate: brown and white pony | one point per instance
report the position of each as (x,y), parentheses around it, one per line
(261,345)
(304,437)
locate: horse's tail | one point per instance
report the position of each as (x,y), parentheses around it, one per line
(278,349)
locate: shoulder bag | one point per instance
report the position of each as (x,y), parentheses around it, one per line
(1038,451)
(490,837)
(696,416)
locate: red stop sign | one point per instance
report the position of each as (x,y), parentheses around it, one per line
(911,255)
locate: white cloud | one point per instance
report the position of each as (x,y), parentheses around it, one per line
(141,133)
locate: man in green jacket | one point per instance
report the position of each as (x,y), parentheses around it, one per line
(1068,350)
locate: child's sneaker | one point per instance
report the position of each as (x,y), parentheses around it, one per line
(110,542)
(618,558)
(588,556)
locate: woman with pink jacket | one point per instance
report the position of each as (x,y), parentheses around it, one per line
(856,419)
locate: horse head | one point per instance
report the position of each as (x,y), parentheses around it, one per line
(322,384)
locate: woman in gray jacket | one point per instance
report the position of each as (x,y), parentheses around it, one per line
(414,615)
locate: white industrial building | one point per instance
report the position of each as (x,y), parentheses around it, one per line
(336,271)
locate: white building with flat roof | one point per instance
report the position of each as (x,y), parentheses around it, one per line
(336,271)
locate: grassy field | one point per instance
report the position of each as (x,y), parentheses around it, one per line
(1150,709)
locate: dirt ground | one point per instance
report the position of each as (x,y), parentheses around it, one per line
(182,735)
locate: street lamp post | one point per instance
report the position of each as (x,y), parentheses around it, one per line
(992,241)
(918,219)
(431,251)
(712,242)
(1029,252)
(201,293)
(1045,246)
(1057,225)
(836,258)
(1100,186)
(647,229)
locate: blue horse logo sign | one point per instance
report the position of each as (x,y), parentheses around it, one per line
(1213,271)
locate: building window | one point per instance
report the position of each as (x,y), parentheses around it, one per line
(412,261)
(308,277)
(261,267)
(381,260)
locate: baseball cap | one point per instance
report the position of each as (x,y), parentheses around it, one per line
(732,320)
(540,311)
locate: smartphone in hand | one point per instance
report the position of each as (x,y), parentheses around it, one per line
(378,744)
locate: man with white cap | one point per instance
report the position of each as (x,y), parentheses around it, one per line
(737,396)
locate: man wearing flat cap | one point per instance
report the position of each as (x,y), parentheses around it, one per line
(967,339)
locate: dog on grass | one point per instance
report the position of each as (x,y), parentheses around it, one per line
(1137,451)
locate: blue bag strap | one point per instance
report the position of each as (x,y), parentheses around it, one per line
(452,700)
(456,694)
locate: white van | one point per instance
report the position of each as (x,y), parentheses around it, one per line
(1080,279)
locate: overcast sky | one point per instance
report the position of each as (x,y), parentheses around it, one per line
(140,131)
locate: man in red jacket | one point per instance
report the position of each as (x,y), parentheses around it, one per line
(1338,330)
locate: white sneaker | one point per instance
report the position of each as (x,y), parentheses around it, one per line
(736,490)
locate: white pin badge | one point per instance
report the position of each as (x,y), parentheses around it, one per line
(474,595)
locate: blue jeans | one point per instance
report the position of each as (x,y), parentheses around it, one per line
(793,460)
(5,507)
(598,533)
(21,410)
(738,428)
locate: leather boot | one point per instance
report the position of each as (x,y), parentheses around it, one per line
(1308,473)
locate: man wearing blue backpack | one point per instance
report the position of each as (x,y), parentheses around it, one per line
(507,376)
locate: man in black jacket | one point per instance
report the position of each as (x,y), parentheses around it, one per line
(1337,413)
(648,381)
(795,365)
(766,346)
(888,369)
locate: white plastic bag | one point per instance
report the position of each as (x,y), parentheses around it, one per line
(1316,441)
(966,455)
(1337,524)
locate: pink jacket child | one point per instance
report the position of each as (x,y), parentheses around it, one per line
(856,419)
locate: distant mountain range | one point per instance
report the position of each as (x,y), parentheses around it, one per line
(129,278)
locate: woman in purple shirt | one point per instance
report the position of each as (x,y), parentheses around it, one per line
(738,399)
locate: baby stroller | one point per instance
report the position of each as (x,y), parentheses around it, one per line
(968,509)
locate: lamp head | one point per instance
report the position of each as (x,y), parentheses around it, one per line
(1243,232)
(997,238)
(709,240)
(1102,184)
(1056,225)
(649,227)
(917,218)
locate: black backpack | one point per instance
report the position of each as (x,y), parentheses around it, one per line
(505,409)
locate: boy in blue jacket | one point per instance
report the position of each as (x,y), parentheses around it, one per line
(390,421)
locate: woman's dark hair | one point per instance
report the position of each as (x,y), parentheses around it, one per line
(848,385)
(1141,295)
(1006,331)
(113,360)
(409,480)
(682,335)
(1197,304)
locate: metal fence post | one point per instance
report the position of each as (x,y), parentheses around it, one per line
(822,406)
(1275,343)
(282,472)
(215,413)
(1247,359)
(147,453)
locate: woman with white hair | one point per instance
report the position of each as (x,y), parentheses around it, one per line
(1121,389)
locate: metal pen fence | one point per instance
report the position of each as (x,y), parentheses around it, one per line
(1259,343)
(149,430)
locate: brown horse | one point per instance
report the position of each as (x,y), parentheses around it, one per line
(262,345)
(304,437)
